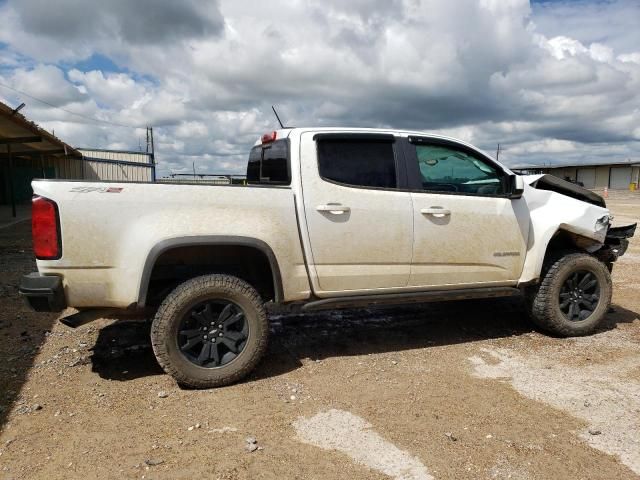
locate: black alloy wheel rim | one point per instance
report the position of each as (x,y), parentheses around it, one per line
(579,295)
(213,333)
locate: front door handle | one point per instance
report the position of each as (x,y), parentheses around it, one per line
(438,212)
(333,208)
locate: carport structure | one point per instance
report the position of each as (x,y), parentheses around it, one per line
(27,152)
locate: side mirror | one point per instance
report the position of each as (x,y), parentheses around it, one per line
(516,186)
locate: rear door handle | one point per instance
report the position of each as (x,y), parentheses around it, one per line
(333,208)
(436,211)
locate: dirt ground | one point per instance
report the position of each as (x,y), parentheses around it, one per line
(465,390)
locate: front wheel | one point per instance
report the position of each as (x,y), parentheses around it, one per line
(210,331)
(572,297)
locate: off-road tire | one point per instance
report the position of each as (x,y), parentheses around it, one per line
(167,320)
(543,302)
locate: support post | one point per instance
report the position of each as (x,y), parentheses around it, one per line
(11,189)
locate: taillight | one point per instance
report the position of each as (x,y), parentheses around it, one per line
(45,228)
(269,137)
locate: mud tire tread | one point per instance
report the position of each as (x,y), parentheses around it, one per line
(169,310)
(541,299)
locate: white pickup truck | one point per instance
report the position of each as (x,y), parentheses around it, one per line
(329,218)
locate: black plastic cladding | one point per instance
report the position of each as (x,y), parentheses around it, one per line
(212,241)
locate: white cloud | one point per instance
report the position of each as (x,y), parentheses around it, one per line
(116,90)
(551,83)
(44,81)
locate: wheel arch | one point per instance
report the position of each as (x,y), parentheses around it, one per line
(560,238)
(213,241)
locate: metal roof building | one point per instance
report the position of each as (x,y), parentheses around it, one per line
(614,176)
(28,151)
(120,165)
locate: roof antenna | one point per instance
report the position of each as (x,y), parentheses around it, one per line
(276,114)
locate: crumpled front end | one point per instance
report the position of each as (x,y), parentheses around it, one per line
(565,216)
(612,242)
(616,242)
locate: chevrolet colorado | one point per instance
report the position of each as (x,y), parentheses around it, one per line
(328,218)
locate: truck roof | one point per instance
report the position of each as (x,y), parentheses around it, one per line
(287,132)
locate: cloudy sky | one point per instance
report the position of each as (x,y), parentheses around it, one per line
(551,81)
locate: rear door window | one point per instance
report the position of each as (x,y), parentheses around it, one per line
(357,162)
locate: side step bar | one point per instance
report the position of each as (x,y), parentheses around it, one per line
(83,317)
(411,297)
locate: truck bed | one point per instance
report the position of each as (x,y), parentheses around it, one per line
(108,230)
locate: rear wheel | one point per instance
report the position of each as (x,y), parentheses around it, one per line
(573,296)
(210,331)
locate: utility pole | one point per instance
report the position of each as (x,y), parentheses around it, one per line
(153,148)
(151,151)
(498,150)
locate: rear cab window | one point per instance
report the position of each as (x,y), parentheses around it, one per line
(269,164)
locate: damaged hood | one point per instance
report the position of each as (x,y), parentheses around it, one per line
(555,184)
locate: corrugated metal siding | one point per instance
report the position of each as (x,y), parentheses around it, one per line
(111,171)
(602,177)
(620,178)
(208,181)
(104,165)
(138,157)
(587,176)
(562,172)
(613,177)
(26,169)
(51,167)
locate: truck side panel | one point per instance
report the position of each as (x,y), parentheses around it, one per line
(108,231)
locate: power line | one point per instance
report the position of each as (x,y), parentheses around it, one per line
(115,124)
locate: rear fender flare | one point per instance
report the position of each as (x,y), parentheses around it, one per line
(213,241)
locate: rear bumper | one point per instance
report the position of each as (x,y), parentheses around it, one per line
(43,293)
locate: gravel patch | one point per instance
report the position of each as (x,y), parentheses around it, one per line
(603,395)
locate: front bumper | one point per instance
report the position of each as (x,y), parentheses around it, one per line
(616,243)
(43,293)
(617,238)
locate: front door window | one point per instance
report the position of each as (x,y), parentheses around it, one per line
(445,169)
